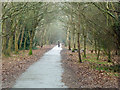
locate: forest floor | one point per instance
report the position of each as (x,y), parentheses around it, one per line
(82,75)
(15,65)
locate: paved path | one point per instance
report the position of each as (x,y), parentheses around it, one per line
(46,73)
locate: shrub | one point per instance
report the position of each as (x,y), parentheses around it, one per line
(73,50)
(30,52)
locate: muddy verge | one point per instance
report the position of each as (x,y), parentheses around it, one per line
(14,66)
(80,75)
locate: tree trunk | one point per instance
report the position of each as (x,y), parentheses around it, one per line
(41,41)
(30,48)
(17,34)
(69,47)
(44,38)
(25,43)
(16,42)
(95,47)
(80,60)
(69,42)
(74,46)
(98,55)
(85,46)
(4,45)
(21,39)
(4,39)
(68,39)
(109,56)
(31,35)
(84,34)
(10,44)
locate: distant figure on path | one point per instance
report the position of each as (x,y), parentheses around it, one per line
(58,43)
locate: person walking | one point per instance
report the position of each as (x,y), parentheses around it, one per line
(58,43)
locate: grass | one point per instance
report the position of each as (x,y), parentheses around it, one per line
(92,58)
(102,65)
(35,48)
(97,62)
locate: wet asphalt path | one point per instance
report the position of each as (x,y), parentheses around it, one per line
(45,73)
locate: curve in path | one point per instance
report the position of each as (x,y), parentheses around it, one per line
(45,73)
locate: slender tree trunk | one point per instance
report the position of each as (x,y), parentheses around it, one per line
(68,39)
(44,38)
(109,53)
(10,44)
(16,42)
(31,35)
(98,55)
(4,39)
(25,43)
(84,34)
(109,56)
(69,47)
(30,48)
(80,60)
(17,35)
(21,38)
(4,45)
(74,46)
(69,42)
(95,46)
(85,46)
(116,52)
(41,43)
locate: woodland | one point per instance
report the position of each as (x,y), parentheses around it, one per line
(80,26)
(96,25)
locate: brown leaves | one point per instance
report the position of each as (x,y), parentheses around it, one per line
(82,75)
(15,65)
